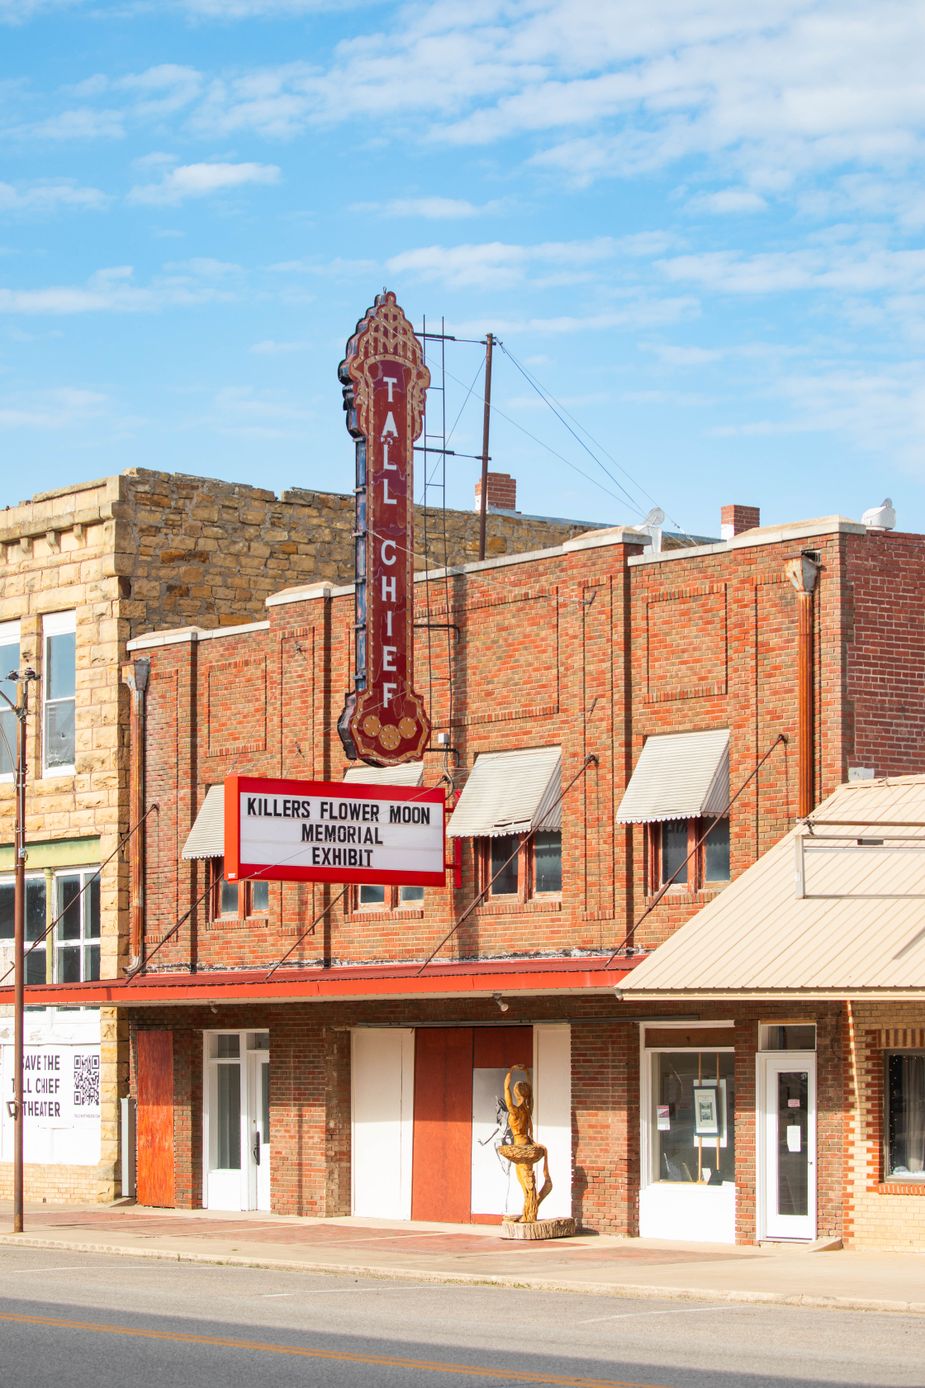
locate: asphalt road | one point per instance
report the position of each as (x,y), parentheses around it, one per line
(86,1319)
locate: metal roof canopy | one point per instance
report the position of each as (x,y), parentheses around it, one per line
(409,773)
(206,839)
(844,920)
(510,793)
(678,776)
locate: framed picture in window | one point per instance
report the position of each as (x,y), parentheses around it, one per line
(706,1110)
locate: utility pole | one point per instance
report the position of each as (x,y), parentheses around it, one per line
(486,422)
(21,709)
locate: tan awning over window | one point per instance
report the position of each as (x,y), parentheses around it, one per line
(853,929)
(678,776)
(206,839)
(510,793)
(410,773)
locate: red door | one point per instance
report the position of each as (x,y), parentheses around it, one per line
(444,1061)
(154,1121)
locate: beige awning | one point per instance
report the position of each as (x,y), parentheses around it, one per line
(206,839)
(858,931)
(409,773)
(510,793)
(678,776)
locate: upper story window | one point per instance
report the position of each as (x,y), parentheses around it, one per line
(77,933)
(678,856)
(511,807)
(679,787)
(379,898)
(59,688)
(35,923)
(234,901)
(9,664)
(519,866)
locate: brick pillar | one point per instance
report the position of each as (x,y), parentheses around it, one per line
(502,492)
(735,518)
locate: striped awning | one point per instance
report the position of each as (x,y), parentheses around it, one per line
(510,793)
(678,776)
(206,839)
(409,773)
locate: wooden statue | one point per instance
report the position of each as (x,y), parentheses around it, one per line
(522,1150)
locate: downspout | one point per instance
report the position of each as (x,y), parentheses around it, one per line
(135,676)
(803,574)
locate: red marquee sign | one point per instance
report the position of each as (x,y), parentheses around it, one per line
(384,378)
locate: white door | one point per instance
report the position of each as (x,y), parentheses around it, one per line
(259,1123)
(236,1130)
(382,1083)
(787,1144)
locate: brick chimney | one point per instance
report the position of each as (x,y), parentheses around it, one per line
(734,519)
(502,492)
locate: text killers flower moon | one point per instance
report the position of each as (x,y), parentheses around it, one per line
(334,832)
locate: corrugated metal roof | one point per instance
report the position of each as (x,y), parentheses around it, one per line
(510,793)
(409,773)
(678,776)
(858,931)
(206,839)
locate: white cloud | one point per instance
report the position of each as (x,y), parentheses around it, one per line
(635,314)
(851,269)
(52,409)
(497,264)
(727,200)
(114,290)
(50,196)
(202,180)
(76,123)
(434,209)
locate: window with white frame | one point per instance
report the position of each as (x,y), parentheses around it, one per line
(35,923)
(77,933)
(9,665)
(59,689)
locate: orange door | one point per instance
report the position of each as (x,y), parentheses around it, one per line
(442,1151)
(154,1122)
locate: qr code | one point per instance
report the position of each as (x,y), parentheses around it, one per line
(86,1081)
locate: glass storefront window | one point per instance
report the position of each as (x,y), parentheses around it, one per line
(693,1118)
(905,1136)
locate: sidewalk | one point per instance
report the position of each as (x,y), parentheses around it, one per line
(454,1253)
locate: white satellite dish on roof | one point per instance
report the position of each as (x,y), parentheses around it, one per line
(881,517)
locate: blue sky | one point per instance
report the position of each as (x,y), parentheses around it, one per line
(696,223)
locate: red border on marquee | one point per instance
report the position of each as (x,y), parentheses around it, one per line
(236,871)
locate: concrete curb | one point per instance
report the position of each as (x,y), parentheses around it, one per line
(618,1291)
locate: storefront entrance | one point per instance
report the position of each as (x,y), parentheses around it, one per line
(429,1115)
(236,1120)
(787,1145)
(687,1189)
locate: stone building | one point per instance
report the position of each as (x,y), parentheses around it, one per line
(82,571)
(621,733)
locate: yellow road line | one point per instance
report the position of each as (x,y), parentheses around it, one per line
(508,1375)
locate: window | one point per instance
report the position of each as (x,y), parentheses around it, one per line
(9,726)
(77,933)
(692,1121)
(674,855)
(377,898)
(905,1116)
(59,690)
(35,923)
(230,901)
(517,868)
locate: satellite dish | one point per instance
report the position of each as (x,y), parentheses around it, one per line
(655,517)
(881,517)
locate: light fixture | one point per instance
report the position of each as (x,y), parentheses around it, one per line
(501,1005)
(11,1107)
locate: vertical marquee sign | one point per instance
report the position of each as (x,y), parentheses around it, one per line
(384,380)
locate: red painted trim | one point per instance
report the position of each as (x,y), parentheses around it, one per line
(236,870)
(539,977)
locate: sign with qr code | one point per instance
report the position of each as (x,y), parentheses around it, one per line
(61,1085)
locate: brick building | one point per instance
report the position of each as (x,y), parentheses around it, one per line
(82,570)
(626,732)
